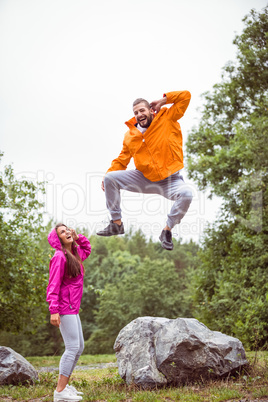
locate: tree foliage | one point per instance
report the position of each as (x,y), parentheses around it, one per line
(228,153)
(153,288)
(230,289)
(229,142)
(128,277)
(125,277)
(23,265)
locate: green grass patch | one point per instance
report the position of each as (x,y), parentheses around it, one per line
(105,384)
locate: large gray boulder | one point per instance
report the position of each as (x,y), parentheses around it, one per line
(154,351)
(14,369)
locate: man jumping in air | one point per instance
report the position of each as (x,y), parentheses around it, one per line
(154,140)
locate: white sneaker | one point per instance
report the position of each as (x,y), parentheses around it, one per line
(66,395)
(74,390)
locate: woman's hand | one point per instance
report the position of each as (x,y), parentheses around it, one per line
(55,319)
(74,234)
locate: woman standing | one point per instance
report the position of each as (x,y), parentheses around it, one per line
(64,294)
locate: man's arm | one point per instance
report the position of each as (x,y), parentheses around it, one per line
(180,100)
(156,105)
(119,163)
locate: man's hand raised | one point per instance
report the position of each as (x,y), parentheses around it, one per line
(157,104)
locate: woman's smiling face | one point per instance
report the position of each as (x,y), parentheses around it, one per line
(65,235)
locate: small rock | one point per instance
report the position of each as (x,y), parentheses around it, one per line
(14,369)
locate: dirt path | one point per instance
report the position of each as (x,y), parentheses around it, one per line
(78,368)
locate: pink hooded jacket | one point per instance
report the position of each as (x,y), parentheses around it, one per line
(64,294)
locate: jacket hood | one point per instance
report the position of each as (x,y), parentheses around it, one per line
(53,240)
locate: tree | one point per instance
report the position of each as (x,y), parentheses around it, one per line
(24,263)
(114,259)
(229,290)
(227,152)
(154,289)
(224,146)
(111,269)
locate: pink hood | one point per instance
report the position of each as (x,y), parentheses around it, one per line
(54,240)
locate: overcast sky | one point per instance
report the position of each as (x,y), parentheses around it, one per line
(69,72)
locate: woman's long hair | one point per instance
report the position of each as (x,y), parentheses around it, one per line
(73,260)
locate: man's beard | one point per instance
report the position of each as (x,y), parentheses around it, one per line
(147,122)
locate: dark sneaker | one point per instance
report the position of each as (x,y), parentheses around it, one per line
(166,239)
(112,229)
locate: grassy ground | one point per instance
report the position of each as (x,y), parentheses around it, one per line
(106,385)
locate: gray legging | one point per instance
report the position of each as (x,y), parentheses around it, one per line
(71,331)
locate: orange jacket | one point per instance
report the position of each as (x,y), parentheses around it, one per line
(158,152)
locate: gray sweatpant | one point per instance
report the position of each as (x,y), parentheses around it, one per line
(71,331)
(172,188)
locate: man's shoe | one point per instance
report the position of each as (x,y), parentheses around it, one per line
(166,239)
(112,229)
(66,395)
